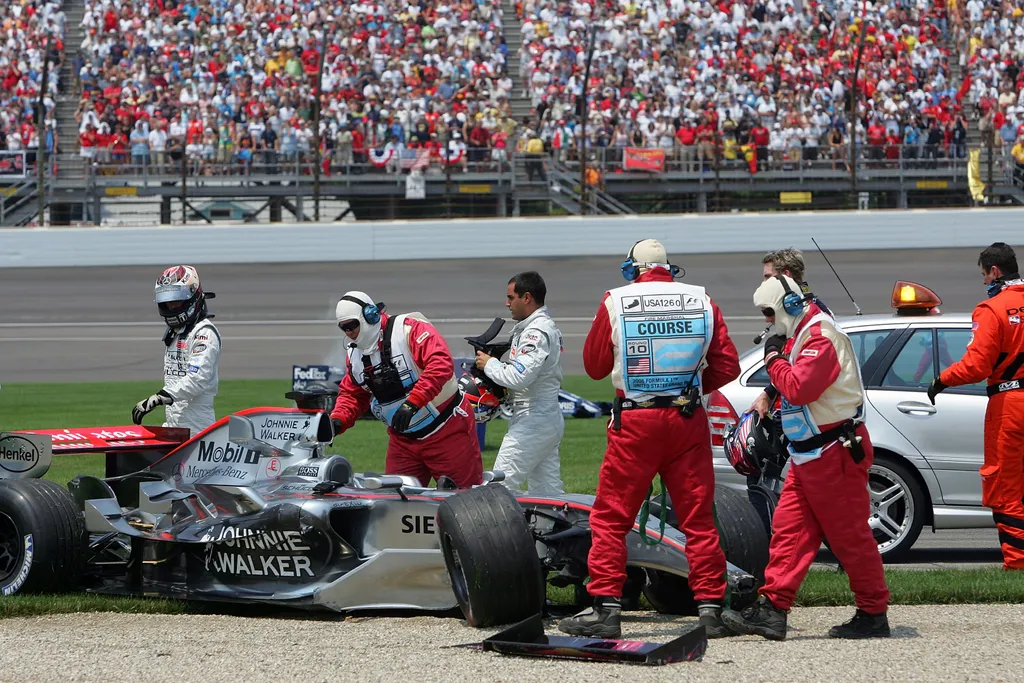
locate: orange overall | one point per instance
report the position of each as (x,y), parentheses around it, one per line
(996,353)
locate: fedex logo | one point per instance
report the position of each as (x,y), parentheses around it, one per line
(316,373)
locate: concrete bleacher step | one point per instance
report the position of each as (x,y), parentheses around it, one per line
(70,92)
(512,29)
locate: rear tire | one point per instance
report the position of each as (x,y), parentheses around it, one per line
(491,556)
(42,538)
(741,528)
(744,540)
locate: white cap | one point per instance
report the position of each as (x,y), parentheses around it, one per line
(648,253)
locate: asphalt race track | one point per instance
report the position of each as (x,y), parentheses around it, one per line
(101,323)
(90,324)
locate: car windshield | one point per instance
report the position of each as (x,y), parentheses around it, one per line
(865,343)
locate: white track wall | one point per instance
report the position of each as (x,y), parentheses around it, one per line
(509,237)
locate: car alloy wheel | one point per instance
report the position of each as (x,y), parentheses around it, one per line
(10,547)
(893,508)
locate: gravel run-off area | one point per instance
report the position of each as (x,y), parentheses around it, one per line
(929,643)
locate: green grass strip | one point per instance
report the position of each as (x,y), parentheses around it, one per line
(925,587)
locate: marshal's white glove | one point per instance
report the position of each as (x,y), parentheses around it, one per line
(160,398)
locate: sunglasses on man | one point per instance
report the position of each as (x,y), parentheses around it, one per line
(348,325)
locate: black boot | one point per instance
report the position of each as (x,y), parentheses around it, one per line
(599,621)
(760,619)
(863,625)
(711,620)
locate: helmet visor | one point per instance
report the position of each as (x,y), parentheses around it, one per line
(168,293)
(172,307)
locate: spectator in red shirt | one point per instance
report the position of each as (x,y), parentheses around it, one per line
(761,136)
(876,140)
(686,138)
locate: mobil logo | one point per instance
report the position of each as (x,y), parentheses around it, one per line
(211,451)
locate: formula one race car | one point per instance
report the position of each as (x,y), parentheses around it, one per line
(252,510)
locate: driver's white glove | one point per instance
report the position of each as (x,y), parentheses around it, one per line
(160,398)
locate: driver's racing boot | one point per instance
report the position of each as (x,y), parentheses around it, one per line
(760,619)
(863,625)
(599,621)
(711,619)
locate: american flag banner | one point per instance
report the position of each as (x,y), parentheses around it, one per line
(413,159)
(638,366)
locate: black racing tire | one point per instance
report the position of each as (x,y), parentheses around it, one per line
(42,538)
(764,501)
(491,556)
(744,540)
(896,518)
(741,528)
(670,594)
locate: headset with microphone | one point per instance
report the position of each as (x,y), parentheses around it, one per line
(371,312)
(792,303)
(631,269)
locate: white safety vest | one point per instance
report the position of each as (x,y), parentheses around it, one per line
(661,332)
(842,400)
(428,419)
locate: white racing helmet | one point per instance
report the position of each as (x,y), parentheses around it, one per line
(359,307)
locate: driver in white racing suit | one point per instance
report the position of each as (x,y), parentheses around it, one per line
(192,355)
(533,376)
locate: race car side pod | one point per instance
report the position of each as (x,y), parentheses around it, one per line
(527,639)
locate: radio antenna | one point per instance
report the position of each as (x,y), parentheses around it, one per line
(837,276)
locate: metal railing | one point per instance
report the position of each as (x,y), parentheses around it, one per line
(94,182)
(808,163)
(281,166)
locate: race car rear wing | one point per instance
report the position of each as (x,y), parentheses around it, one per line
(27,454)
(112,439)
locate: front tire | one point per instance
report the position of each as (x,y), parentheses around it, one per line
(491,556)
(42,538)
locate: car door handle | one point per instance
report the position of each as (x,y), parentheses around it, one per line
(910,407)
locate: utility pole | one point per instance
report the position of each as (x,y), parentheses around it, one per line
(41,132)
(184,181)
(583,109)
(316,126)
(853,99)
(446,160)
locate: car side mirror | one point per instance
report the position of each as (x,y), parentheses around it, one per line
(383,482)
(325,430)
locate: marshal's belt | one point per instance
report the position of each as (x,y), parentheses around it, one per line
(845,433)
(685,403)
(1003,387)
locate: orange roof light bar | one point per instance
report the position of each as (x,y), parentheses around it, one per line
(910,298)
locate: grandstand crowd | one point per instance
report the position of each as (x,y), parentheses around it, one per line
(30,29)
(752,83)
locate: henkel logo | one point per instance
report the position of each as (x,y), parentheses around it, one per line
(18,455)
(315,373)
